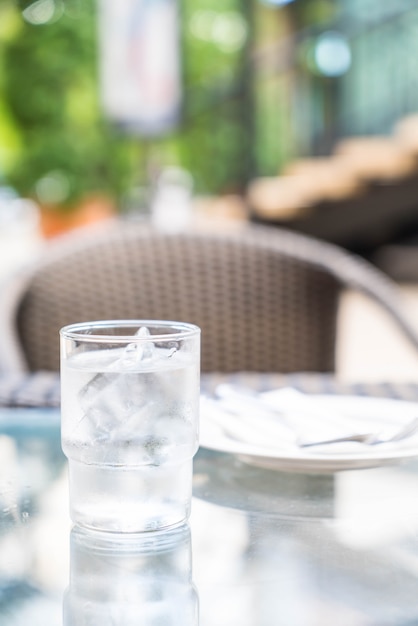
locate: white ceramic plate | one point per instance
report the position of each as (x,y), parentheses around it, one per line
(329,458)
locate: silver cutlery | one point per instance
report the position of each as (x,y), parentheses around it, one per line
(407,430)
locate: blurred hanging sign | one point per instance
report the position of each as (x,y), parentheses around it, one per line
(140,64)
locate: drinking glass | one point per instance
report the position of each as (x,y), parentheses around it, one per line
(130,406)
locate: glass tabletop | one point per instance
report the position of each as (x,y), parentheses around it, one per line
(263,547)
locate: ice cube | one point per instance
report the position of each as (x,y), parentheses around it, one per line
(108,402)
(136,352)
(140,406)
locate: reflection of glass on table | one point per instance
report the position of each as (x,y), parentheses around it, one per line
(130,580)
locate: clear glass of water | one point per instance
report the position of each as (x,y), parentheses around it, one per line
(129,425)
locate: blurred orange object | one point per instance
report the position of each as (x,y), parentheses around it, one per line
(54,220)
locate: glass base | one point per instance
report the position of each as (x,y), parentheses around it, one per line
(130,499)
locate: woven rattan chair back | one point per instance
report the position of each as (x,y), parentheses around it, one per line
(265,299)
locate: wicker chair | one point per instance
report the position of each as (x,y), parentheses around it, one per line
(266,299)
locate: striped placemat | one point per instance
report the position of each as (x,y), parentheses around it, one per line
(38,389)
(314,383)
(42,389)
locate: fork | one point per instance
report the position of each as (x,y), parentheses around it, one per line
(370,439)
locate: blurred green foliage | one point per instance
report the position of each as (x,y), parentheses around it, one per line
(50,99)
(51,121)
(236,109)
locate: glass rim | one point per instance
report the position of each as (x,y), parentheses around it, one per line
(84,331)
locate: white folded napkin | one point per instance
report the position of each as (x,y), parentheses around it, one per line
(244,425)
(287,419)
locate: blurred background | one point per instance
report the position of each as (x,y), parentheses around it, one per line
(300,114)
(294,113)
